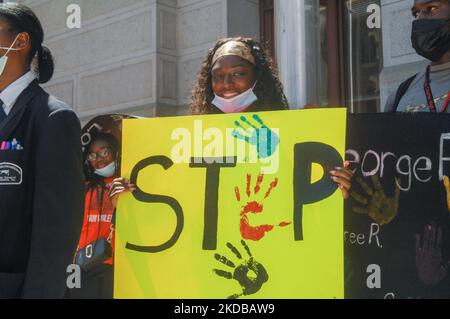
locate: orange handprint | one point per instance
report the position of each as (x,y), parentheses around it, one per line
(255,207)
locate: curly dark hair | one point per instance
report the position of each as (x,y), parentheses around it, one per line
(268,89)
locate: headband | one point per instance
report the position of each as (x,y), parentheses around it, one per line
(236,48)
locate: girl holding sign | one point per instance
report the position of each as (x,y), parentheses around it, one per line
(95,253)
(238,76)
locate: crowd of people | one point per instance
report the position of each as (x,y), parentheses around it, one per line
(60,207)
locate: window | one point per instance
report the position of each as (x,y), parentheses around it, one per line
(342,46)
(267,26)
(363,56)
(353,46)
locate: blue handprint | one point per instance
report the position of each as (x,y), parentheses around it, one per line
(265,140)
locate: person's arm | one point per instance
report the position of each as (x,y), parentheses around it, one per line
(58,205)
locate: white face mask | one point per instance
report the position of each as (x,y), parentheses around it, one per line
(236,104)
(107,171)
(4,58)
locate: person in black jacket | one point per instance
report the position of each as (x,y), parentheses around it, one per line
(41,174)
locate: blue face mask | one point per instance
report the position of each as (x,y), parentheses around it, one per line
(4,58)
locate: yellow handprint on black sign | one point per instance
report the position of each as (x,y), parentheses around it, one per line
(379,207)
(447,189)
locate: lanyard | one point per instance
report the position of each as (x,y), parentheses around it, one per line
(429,94)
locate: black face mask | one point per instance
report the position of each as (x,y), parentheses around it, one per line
(431,38)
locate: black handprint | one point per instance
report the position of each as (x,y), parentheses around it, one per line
(250,285)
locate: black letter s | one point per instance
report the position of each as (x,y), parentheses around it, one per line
(166,163)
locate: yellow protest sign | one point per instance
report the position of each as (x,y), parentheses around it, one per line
(232,206)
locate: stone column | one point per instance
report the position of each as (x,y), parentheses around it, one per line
(290,38)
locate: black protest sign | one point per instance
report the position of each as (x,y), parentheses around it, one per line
(397,220)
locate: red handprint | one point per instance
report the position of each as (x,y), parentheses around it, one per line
(254,207)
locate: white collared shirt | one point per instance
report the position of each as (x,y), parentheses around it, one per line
(10,94)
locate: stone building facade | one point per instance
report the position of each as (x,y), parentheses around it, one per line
(142,56)
(136,56)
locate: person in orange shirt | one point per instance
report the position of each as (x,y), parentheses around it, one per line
(95,252)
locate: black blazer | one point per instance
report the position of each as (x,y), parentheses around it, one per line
(41,196)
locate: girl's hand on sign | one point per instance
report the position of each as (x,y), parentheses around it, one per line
(342,176)
(119,186)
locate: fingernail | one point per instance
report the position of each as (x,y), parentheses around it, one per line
(337,167)
(334,178)
(333,172)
